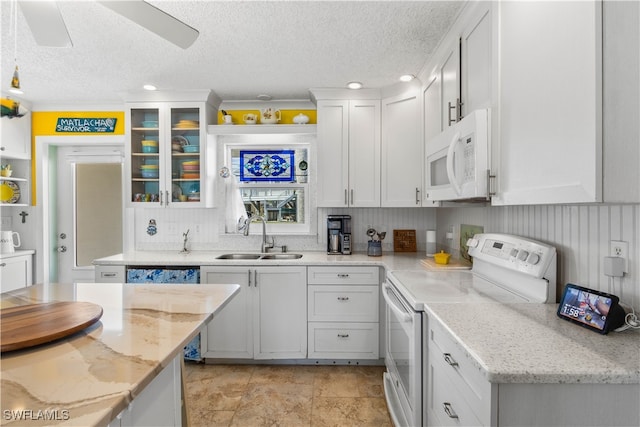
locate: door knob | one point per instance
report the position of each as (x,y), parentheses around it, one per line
(62,249)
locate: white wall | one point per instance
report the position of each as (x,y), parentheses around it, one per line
(580,233)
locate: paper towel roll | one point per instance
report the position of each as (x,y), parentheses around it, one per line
(431,242)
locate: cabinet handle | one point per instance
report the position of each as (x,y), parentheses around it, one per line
(448,409)
(343,335)
(343,298)
(343,275)
(166,198)
(490,178)
(450,361)
(160,198)
(249,277)
(109,274)
(417,196)
(255,278)
(352,196)
(346,202)
(4,264)
(451,107)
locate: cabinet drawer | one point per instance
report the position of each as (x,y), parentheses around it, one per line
(110,274)
(344,275)
(446,406)
(448,357)
(343,340)
(343,303)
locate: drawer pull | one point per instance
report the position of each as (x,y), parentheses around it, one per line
(343,275)
(449,359)
(4,264)
(343,335)
(448,409)
(343,298)
(109,274)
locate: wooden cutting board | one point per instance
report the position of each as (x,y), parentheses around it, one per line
(29,325)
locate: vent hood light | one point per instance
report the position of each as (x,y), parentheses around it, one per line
(354,85)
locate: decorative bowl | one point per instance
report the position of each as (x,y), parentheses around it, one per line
(149,148)
(441,258)
(191,148)
(149,173)
(150,124)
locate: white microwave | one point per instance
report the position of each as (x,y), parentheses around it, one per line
(458,160)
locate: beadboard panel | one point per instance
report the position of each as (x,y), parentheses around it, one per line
(580,233)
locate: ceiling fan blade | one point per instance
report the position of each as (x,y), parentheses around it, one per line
(155,20)
(46,23)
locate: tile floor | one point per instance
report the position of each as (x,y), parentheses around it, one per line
(278,395)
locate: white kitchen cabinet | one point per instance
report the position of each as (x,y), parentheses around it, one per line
(402,151)
(343,312)
(348,153)
(16,136)
(165,174)
(549,121)
(16,270)
(458,394)
(266,319)
(476,53)
(458,78)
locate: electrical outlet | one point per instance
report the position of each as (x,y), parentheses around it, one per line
(620,249)
(6,222)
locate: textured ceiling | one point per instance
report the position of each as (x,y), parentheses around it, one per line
(245,48)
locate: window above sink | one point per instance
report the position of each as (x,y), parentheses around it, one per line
(273,175)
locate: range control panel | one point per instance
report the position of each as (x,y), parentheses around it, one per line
(512,252)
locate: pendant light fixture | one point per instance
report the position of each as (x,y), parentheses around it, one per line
(15,80)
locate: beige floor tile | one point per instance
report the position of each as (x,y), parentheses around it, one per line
(285,395)
(341,411)
(275,404)
(210,418)
(269,374)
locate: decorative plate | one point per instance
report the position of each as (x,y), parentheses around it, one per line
(9,192)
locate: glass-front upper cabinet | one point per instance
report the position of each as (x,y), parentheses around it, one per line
(166,154)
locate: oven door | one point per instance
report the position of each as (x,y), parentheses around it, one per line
(403,359)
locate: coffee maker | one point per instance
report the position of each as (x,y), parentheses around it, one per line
(339,234)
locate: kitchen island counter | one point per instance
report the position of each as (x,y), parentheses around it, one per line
(90,377)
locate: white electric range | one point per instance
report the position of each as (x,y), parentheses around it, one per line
(506,269)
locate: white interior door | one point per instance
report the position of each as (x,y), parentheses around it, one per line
(89,209)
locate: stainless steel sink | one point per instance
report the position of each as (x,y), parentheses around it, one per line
(281,256)
(241,256)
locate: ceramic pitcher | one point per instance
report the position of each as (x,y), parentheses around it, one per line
(269,116)
(9,241)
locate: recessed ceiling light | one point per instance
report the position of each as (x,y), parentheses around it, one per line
(149,87)
(407,77)
(354,85)
(264,97)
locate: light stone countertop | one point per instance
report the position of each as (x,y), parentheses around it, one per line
(389,260)
(509,343)
(96,373)
(528,343)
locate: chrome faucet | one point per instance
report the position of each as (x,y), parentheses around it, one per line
(184,243)
(265,246)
